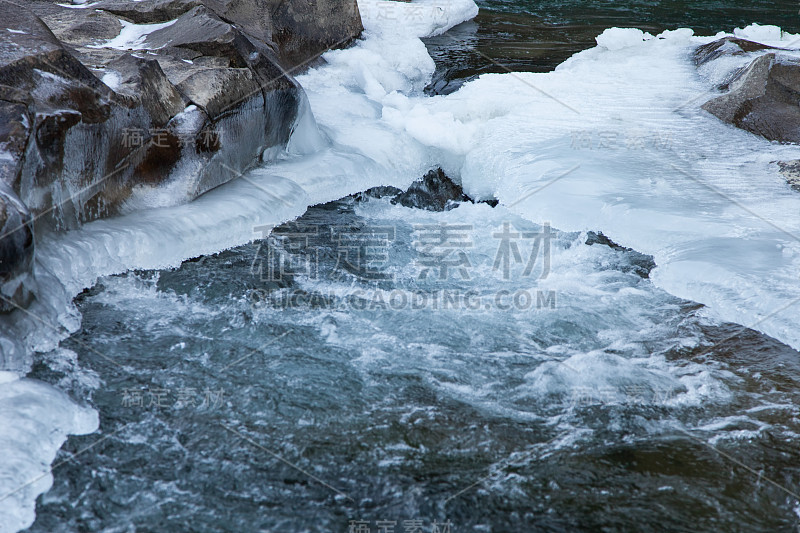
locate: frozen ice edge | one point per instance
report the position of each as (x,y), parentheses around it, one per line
(36,419)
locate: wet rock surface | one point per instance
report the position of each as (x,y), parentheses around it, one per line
(727,46)
(435,191)
(639,263)
(94,107)
(16,251)
(790,170)
(762,98)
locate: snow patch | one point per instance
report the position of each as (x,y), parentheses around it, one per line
(133,36)
(112,79)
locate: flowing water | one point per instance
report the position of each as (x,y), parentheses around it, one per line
(287,385)
(366,366)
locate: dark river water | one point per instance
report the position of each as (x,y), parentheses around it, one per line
(284,386)
(536,36)
(356,371)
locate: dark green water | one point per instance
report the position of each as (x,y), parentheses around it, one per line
(535,36)
(706,17)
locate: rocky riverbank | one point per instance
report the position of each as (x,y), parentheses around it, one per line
(102,103)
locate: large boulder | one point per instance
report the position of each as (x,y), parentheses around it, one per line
(16,251)
(297,30)
(304,30)
(199,30)
(90,122)
(143,82)
(764,99)
(300,30)
(217,90)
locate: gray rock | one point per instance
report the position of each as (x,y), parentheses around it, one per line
(790,170)
(300,30)
(198,29)
(14,133)
(637,263)
(434,192)
(377,192)
(143,82)
(220,89)
(252,16)
(74,148)
(304,30)
(59,94)
(148,12)
(763,99)
(78,27)
(727,46)
(16,251)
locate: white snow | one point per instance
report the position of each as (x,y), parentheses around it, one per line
(132,36)
(763,34)
(619,38)
(112,79)
(79,4)
(420,18)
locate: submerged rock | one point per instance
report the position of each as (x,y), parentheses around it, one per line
(638,263)
(377,192)
(88,121)
(434,192)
